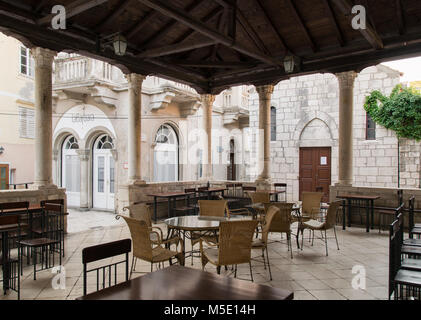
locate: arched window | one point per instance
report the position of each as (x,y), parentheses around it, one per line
(272,124)
(71,143)
(166,155)
(105,142)
(370,128)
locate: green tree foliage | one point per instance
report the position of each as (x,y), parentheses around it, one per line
(400,112)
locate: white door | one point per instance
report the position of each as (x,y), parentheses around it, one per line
(103,174)
(71,171)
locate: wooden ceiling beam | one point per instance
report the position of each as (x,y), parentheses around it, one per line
(73,9)
(271,24)
(175,48)
(369,33)
(301,24)
(334,22)
(399,17)
(157,36)
(183,17)
(141,23)
(113,15)
(213,64)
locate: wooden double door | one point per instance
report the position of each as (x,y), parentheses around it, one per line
(315,170)
(4,176)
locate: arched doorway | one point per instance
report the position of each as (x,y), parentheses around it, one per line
(231,172)
(70,170)
(166,154)
(103,173)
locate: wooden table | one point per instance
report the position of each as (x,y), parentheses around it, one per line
(369,208)
(181,283)
(275,193)
(210,191)
(169,196)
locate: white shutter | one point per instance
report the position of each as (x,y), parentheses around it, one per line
(26,123)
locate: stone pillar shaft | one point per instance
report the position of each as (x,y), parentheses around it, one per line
(265,95)
(43,115)
(346,104)
(134,127)
(207,103)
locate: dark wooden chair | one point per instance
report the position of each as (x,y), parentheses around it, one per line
(11,265)
(404,282)
(190,205)
(104,251)
(22,207)
(389,212)
(50,240)
(42,204)
(414,228)
(281,187)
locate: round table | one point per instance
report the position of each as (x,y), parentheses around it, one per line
(206,225)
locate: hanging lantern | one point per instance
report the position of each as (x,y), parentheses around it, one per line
(120,45)
(289,63)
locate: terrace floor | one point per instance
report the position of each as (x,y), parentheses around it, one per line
(310,274)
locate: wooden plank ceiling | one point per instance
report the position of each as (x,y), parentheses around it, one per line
(214,44)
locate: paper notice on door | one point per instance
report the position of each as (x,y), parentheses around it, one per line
(323,161)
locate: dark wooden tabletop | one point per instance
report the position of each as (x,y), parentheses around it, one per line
(170,194)
(213,190)
(357,196)
(181,283)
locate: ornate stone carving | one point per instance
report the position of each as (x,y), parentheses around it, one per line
(43,57)
(83,154)
(265,91)
(135,82)
(207,99)
(346,79)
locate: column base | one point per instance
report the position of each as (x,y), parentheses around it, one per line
(136,182)
(42,186)
(263,183)
(343,184)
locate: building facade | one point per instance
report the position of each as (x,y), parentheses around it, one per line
(304,135)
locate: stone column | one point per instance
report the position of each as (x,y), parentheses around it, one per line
(134,127)
(84,156)
(207,103)
(346,104)
(43,116)
(265,95)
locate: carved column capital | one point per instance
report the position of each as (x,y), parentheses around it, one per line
(265,91)
(135,81)
(43,57)
(83,154)
(346,79)
(207,99)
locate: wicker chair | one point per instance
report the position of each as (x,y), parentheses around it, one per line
(281,223)
(311,205)
(330,223)
(234,246)
(143,246)
(142,212)
(263,242)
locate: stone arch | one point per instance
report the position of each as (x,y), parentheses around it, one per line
(310,117)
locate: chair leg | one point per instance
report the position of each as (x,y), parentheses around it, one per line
(34,257)
(151,266)
(251,272)
(235,271)
(131,269)
(289,242)
(267,257)
(263,256)
(326,243)
(302,239)
(334,230)
(218,269)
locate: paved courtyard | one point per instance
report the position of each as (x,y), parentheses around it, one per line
(310,274)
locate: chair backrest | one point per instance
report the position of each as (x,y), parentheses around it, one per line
(12,219)
(282,220)
(235,239)
(400,197)
(140,232)
(141,211)
(24,205)
(202,188)
(279,185)
(332,211)
(311,200)
(270,214)
(190,190)
(103,251)
(395,243)
(259,197)
(52,221)
(213,208)
(411,217)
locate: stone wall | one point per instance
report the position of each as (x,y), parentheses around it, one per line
(308,116)
(35,196)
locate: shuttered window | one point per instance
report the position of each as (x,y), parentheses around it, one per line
(26,62)
(272,124)
(26,123)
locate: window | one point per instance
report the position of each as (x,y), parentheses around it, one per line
(26,62)
(26,123)
(166,155)
(106,142)
(370,128)
(227,100)
(272,124)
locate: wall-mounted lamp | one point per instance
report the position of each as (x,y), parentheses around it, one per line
(290,62)
(1,150)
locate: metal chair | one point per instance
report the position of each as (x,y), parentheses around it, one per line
(103,251)
(281,187)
